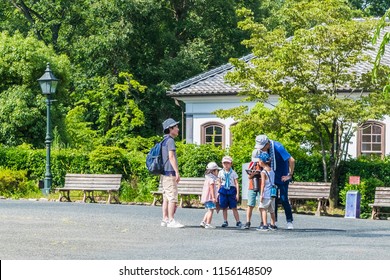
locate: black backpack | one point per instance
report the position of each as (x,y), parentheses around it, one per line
(154,162)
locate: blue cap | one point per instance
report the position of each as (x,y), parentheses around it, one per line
(264,157)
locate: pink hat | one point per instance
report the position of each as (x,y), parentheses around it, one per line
(227,159)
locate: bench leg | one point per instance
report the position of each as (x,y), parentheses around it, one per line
(321,207)
(112,195)
(157,198)
(318,212)
(88,195)
(181,201)
(154,201)
(293,204)
(324,206)
(375,213)
(64,196)
(185,200)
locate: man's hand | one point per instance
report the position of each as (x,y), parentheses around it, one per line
(177,178)
(286,178)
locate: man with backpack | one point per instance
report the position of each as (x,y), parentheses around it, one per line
(170,176)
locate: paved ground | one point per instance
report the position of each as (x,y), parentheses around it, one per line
(39,230)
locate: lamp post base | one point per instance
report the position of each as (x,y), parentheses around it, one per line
(45,191)
(47,186)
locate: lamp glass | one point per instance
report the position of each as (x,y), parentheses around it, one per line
(48,81)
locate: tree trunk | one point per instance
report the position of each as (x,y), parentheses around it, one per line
(334,188)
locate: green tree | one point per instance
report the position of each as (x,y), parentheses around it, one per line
(297,14)
(110,108)
(371,7)
(306,73)
(22,105)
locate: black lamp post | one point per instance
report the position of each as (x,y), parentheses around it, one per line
(48,85)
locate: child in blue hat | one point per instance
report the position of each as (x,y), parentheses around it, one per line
(267,203)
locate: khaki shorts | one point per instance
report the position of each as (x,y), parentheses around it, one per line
(169,188)
(267,204)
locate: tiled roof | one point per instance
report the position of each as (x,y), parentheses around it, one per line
(209,83)
(212,82)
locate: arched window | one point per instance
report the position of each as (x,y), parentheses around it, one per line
(213,133)
(371,139)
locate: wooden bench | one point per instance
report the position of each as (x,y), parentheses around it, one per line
(382,199)
(186,188)
(88,183)
(299,191)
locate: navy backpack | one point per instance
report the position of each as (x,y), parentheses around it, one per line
(154,161)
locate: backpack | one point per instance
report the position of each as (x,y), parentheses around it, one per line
(154,162)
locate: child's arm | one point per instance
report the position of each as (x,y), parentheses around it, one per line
(238,189)
(262,184)
(211,191)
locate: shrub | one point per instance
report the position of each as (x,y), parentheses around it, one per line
(193,158)
(14,183)
(107,160)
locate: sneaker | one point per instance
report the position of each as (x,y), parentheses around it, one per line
(202,224)
(290,225)
(262,228)
(164,223)
(238,224)
(209,226)
(272,227)
(225,224)
(174,224)
(247,225)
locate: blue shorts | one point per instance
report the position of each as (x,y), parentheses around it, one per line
(252,198)
(227,198)
(210,205)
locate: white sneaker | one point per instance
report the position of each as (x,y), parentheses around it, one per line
(202,224)
(209,226)
(174,224)
(290,225)
(164,223)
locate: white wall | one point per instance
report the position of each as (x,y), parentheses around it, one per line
(201,108)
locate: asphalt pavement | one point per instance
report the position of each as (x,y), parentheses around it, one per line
(45,230)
